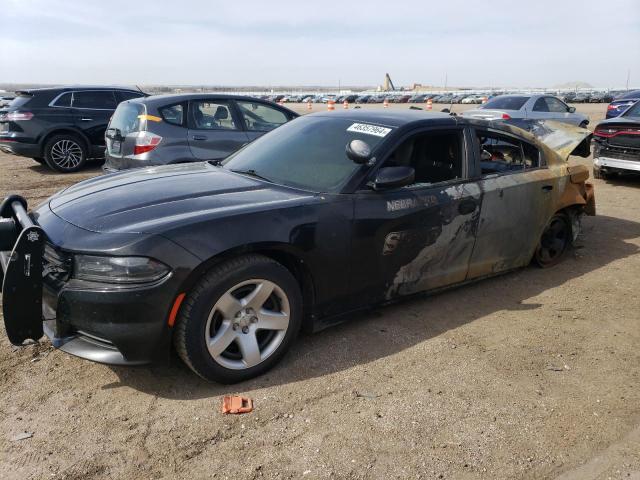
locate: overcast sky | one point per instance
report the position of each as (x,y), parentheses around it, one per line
(490,43)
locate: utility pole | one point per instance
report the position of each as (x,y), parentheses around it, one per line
(445,81)
(628,77)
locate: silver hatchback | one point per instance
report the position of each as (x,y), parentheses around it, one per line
(530,107)
(166,129)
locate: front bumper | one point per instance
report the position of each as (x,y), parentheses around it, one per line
(121,325)
(616,164)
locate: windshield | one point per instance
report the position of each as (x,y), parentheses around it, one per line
(307,153)
(506,103)
(634,111)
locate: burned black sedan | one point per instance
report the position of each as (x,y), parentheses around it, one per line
(326,215)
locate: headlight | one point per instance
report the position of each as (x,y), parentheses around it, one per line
(118,269)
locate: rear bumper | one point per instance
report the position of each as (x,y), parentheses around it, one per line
(22,149)
(616,164)
(116,164)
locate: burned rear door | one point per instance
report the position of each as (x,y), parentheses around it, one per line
(418,237)
(518,191)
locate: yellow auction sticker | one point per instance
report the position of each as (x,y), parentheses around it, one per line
(153,118)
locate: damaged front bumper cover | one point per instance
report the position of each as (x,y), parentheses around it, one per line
(22,272)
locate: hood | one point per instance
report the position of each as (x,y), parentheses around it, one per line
(563,138)
(151,200)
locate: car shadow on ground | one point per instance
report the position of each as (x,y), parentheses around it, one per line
(44,169)
(371,335)
(626,180)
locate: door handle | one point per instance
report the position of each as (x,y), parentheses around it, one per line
(84,119)
(547,188)
(466,207)
(199,137)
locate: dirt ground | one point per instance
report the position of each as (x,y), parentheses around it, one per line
(532,375)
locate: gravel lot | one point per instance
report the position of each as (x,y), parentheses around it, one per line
(531,375)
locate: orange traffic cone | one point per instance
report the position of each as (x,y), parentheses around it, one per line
(484,99)
(309,107)
(429,104)
(385,103)
(331,105)
(345,104)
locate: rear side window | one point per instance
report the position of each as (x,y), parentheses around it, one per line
(124,96)
(211,115)
(63,100)
(126,118)
(541,105)
(20,101)
(173,114)
(505,154)
(506,103)
(96,99)
(260,117)
(633,111)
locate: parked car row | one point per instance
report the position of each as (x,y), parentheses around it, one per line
(65,128)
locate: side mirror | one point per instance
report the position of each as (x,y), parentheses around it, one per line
(572,109)
(394,177)
(358,151)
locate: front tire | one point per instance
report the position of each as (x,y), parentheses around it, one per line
(555,241)
(239,320)
(65,153)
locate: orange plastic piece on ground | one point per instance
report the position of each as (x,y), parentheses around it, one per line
(236,404)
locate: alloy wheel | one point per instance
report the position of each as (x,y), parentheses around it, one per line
(247,324)
(66,154)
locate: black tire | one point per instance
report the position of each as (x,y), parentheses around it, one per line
(65,153)
(555,241)
(584,124)
(200,322)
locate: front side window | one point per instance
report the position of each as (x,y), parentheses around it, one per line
(211,115)
(96,99)
(260,117)
(505,154)
(434,156)
(307,153)
(556,105)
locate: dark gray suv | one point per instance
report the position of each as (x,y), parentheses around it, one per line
(165,129)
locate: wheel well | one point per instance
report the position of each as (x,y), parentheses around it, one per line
(65,131)
(296,266)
